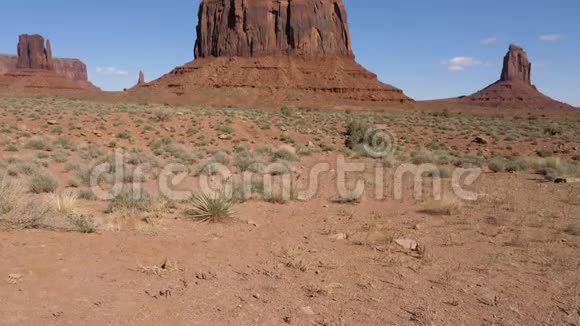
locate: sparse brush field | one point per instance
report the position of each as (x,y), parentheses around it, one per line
(105,215)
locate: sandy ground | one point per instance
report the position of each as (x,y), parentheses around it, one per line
(508,258)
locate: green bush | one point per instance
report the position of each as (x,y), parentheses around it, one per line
(42,183)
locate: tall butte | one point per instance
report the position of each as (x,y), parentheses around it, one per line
(275,52)
(514,88)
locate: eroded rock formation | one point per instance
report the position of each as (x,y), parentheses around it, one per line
(141,79)
(516,66)
(514,89)
(34,69)
(34,53)
(275,51)
(272,27)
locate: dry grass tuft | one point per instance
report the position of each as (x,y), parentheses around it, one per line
(445,206)
(164,268)
(64,204)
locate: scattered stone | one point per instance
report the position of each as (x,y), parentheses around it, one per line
(97,133)
(307,311)
(339,236)
(481,140)
(224,137)
(179,114)
(52,122)
(407,244)
(310,144)
(252,223)
(14,278)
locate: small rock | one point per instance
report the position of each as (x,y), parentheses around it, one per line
(252,223)
(339,236)
(224,137)
(307,311)
(51,122)
(560,180)
(287,320)
(283,128)
(481,140)
(417,227)
(310,144)
(256,296)
(179,114)
(14,278)
(407,244)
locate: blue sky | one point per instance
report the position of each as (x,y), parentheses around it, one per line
(430,49)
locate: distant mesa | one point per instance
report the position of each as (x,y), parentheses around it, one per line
(275,51)
(514,89)
(34,69)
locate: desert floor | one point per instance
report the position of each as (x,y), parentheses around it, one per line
(507,254)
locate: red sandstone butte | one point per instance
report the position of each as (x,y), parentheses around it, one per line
(282,50)
(514,89)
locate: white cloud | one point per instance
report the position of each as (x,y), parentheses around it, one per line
(550,37)
(461,63)
(111,71)
(489,40)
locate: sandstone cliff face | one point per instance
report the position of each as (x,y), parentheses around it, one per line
(7,63)
(272,27)
(33,53)
(516,66)
(71,68)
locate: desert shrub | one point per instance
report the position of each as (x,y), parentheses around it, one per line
(87,194)
(27,169)
(83,223)
(32,215)
(209,168)
(221,157)
(497,164)
(286,153)
(39,143)
(130,200)
(211,208)
(470,161)
(544,153)
(356,131)
(161,115)
(11,194)
(225,129)
(11,148)
(42,183)
(181,152)
(125,134)
(247,161)
(304,150)
(445,206)
(265,150)
(279,167)
(64,143)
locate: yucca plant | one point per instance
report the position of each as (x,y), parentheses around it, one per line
(211,208)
